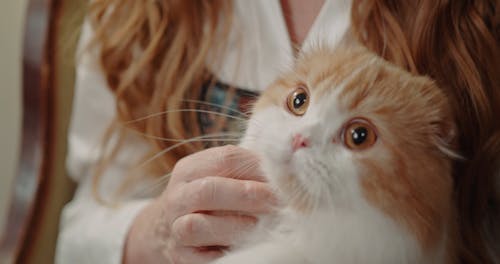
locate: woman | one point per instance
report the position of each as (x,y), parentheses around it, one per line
(157,57)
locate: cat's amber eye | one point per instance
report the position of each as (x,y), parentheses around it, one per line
(359,135)
(298,101)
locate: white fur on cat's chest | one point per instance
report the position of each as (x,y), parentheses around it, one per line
(365,236)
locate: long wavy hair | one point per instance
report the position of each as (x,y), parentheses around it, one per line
(154,55)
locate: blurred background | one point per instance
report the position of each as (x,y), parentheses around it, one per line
(12,13)
(37,47)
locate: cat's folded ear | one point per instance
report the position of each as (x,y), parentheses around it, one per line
(442,118)
(446,138)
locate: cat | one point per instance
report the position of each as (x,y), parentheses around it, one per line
(361,151)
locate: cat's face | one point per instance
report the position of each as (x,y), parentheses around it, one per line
(344,128)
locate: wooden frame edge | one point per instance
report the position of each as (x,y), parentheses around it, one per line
(35,155)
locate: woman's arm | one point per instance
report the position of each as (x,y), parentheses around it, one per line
(179,226)
(92,232)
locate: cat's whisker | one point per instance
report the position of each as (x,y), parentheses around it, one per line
(323,190)
(241,170)
(244,169)
(184,110)
(215,136)
(299,195)
(153,187)
(216,105)
(215,139)
(209,137)
(255,137)
(159,183)
(319,189)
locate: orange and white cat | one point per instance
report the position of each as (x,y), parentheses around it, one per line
(360,152)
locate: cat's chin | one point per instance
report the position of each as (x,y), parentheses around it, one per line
(293,193)
(290,187)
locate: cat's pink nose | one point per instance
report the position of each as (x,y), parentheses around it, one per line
(299,141)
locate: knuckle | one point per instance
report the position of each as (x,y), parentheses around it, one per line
(181,166)
(174,200)
(250,190)
(202,190)
(227,153)
(184,228)
(257,194)
(230,149)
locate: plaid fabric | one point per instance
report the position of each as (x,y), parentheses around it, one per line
(228,102)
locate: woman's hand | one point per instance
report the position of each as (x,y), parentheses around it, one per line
(211,199)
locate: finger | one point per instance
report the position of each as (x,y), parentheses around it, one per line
(226,161)
(192,255)
(200,230)
(224,194)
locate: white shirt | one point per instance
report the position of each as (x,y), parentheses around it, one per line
(259,48)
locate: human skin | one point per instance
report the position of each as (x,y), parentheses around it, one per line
(191,213)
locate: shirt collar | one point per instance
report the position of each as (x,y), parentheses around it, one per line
(259,46)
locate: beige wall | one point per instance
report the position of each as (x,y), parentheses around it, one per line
(11,33)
